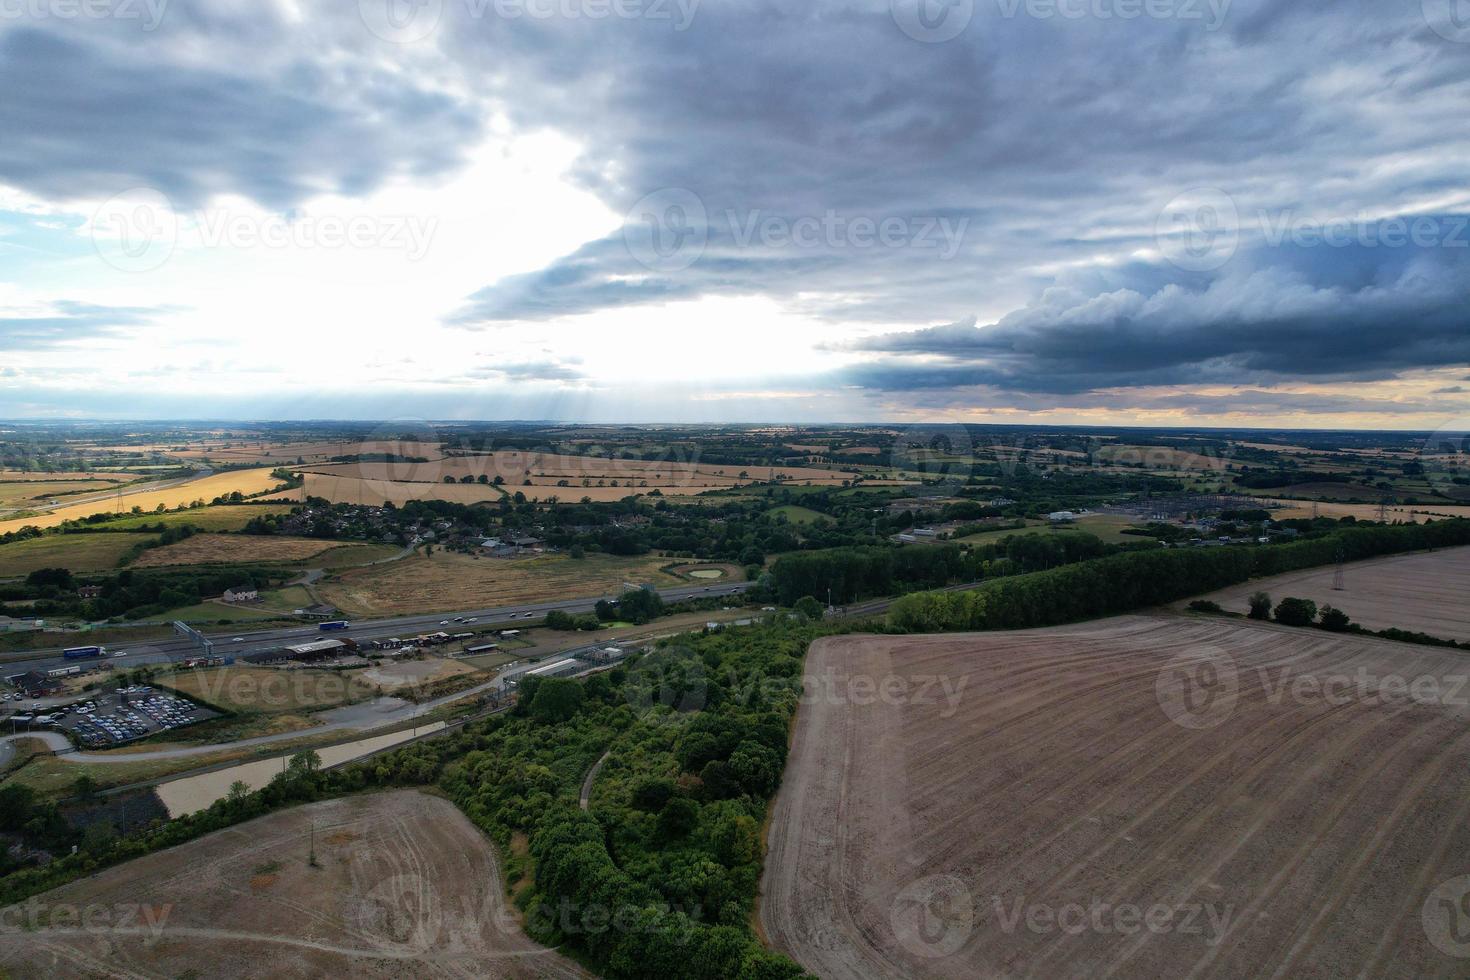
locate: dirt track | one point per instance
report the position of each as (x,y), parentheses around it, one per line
(407,887)
(1082,780)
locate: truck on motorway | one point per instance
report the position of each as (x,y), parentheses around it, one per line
(84,653)
(340,624)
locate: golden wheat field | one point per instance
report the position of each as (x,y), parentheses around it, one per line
(247,482)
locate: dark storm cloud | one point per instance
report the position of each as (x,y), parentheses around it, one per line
(67,322)
(1280,314)
(86,118)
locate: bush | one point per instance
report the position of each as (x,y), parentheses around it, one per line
(1260,606)
(1205,606)
(1296,612)
(809,607)
(1335,620)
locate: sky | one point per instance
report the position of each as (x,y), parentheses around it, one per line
(1131,212)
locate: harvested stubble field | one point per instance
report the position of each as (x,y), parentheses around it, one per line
(1423,592)
(234,451)
(219,549)
(448,581)
(247,482)
(1190,770)
(406,887)
(1284,509)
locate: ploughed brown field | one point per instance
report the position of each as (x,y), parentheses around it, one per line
(1423,592)
(406,887)
(1145,796)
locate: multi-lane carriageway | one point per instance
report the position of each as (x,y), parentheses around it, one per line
(180,648)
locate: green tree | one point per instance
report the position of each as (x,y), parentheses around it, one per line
(1335,620)
(557,699)
(809,607)
(1260,606)
(678,818)
(1296,612)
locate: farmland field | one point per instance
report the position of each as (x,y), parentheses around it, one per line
(78,552)
(1106,527)
(449,581)
(245,481)
(26,494)
(405,886)
(219,549)
(1055,789)
(1425,593)
(372,483)
(798,515)
(225,517)
(236,451)
(1397,513)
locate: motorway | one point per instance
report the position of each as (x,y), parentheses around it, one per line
(179,648)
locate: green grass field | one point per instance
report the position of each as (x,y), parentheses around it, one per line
(78,552)
(226,517)
(1107,527)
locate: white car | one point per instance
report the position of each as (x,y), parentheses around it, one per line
(238,639)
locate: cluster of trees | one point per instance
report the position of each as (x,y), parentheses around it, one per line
(637,606)
(1120,583)
(660,877)
(860,573)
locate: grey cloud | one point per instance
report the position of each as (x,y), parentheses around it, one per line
(528,371)
(1060,141)
(83,118)
(68,321)
(1263,323)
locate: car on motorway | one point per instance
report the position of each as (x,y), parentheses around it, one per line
(443,622)
(238,639)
